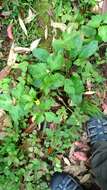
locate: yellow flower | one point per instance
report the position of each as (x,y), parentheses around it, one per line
(37,102)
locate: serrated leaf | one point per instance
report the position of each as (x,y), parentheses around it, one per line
(89,49)
(40,54)
(102,31)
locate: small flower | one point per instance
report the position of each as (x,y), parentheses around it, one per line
(37,102)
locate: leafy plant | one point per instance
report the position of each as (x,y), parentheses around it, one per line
(45,97)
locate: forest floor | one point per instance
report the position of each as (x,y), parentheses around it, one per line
(53,71)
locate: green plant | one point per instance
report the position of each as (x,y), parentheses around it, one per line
(47,90)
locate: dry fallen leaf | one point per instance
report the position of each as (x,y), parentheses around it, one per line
(1,55)
(4,123)
(6,13)
(30,17)
(66,161)
(82,146)
(80,156)
(5,72)
(85,178)
(9,31)
(22,25)
(59,25)
(104,106)
(46,32)
(34,44)
(21,50)
(90,92)
(76,169)
(12,56)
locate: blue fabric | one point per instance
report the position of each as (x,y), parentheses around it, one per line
(63,181)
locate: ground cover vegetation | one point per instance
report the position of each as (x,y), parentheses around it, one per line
(50,92)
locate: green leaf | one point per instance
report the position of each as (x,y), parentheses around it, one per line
(56,62)
(51,117)
(89,49)
(74,88)
(88,31)
(38,71)
(69,86)
(95,21)
(57,81)
(40,54)
(18,91)
(52,82)
(104,17)
(58,45)
(39,118)
(46,104)
(23,66)
(69,42)
(102,31)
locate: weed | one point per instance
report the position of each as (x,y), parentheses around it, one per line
(44,96)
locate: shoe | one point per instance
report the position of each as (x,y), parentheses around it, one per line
(63,181)
(97,129)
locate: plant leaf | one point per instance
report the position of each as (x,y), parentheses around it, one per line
(38,70)
(102,31)
(89,49)
(95,21)
(74,88)
(55,62)
(40,54)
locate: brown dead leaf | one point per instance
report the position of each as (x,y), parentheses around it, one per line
(4,123)
(9,32)
(50,150)
(5,72)
(79,156)
(30,128)
(76,169)
(104,106)
(12,56)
